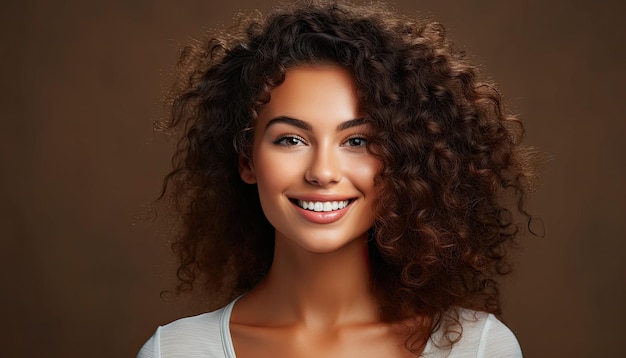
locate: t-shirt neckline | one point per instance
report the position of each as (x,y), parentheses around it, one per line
(227,341)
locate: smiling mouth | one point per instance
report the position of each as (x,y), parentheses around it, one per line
(322,206)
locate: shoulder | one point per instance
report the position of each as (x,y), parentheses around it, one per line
(481,335)
(197,336)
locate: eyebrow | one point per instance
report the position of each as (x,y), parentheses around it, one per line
(307,127)
(290,121)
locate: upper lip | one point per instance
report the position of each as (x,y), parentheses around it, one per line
(321,197)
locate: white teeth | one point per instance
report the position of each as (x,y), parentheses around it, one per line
(323,206)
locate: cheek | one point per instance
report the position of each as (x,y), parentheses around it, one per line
(274,173)
(364,171)
(265,173)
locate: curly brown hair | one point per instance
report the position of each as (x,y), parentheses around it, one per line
(453,177)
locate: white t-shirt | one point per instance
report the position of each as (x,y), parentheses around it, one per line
(208,336)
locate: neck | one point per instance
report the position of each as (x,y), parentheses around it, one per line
(320,289)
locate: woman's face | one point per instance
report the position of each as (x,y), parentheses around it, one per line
(309,160)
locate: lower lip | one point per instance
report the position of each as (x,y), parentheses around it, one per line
(322,217)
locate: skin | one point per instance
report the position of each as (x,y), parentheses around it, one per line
(316,300)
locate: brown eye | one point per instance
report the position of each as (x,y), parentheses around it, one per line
(290,141)
(355,142)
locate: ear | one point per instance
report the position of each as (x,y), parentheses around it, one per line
(246,170)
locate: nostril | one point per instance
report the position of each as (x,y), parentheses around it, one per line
(322,175)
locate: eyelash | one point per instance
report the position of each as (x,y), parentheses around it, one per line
(282,141)
(359,137)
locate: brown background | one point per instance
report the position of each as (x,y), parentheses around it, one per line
(82,265)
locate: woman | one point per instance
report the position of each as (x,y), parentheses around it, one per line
(345,183)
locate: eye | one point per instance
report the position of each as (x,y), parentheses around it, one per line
(290,141)
(356,141)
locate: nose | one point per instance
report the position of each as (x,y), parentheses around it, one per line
(324,168)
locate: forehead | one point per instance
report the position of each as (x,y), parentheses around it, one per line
(312,93)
